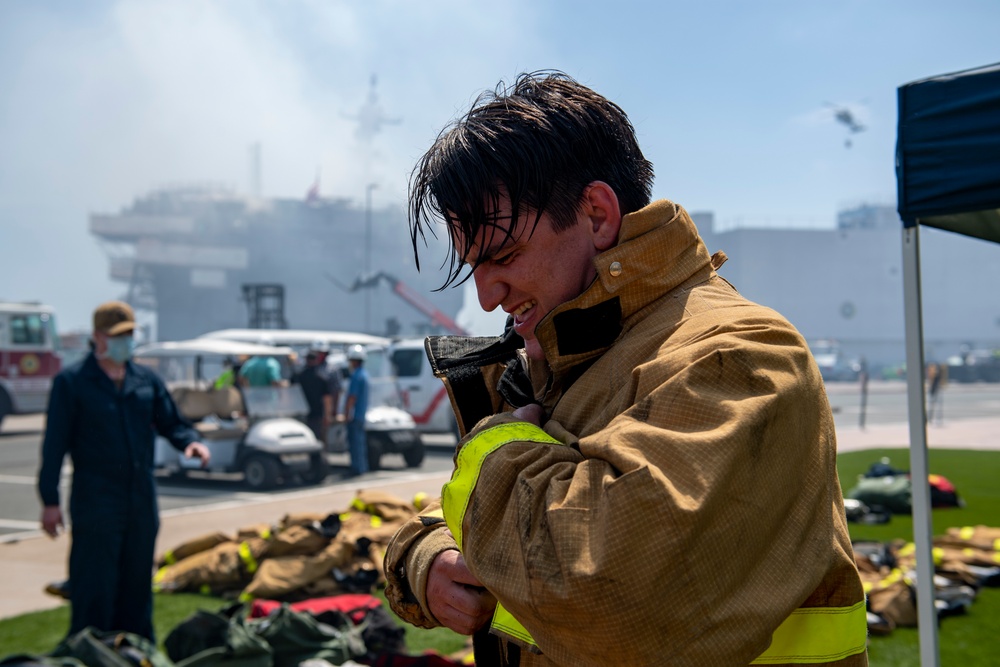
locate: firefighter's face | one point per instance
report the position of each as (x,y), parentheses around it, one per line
(540,268)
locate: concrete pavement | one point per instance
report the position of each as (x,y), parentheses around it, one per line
(28,565)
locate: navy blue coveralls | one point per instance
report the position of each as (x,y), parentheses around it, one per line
(109,434)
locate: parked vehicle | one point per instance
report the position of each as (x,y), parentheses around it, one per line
(424,396)
(257,431)
(389,428)
(28,357)
(384,389)
(833,365)
(975,365)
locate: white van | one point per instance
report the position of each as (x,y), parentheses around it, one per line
(424,395)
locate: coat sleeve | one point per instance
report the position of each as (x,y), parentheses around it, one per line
(59,428)
(168,420)
(408,560)
(706,505)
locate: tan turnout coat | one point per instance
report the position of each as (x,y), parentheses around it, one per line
(697,504)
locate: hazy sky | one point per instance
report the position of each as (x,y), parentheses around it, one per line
(101,101)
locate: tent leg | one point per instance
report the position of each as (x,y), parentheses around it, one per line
(926,612)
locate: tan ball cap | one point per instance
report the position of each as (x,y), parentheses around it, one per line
(114,318)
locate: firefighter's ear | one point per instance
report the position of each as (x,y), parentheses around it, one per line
(600,208)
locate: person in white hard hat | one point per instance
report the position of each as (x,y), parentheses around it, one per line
(355,408)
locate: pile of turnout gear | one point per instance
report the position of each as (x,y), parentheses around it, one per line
(965,560)
(883,491)
(351,630)
(302,597)
(304,556)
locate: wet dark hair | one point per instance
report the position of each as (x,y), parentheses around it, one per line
(538,143)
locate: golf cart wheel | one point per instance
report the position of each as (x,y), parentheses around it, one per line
(375,450)
(261,472)
(414,456)
(318,469)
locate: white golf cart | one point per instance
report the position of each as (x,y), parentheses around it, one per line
(253,430)
(389,428)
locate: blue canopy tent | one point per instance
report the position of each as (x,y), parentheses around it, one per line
(948,177)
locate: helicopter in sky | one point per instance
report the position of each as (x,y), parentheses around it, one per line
(845,116)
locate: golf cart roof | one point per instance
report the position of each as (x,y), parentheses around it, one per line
(296,337)
(209,347)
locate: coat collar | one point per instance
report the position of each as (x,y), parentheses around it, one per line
(658,250)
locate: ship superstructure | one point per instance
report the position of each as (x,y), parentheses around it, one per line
(186,253)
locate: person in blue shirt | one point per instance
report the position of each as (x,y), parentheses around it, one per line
(105,411)
(261,372)
(355,408)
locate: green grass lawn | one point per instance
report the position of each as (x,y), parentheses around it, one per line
(969,641)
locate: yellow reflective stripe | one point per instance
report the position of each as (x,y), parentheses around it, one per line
(907,549)
(996,544)
(266,533)
(205,589)
(966,532)
(169,558)
(814,635)
(344,517)
(420,500)
(245,597)
(506,623)
(358,505)
(248,558)
(376,521)
(455,494)
(937,553)
(895,575)
(810,635)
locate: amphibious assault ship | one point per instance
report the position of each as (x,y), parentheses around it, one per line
(186,254)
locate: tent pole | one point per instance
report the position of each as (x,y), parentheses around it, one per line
(917,411)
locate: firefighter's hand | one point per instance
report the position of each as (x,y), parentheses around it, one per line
(532,412)
(455,597)
(196,450)
(52,521)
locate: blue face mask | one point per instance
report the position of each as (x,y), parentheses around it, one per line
(120,349)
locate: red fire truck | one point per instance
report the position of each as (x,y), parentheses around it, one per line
(28,357)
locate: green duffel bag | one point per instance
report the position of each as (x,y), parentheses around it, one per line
(97,648)
(205,639)
(298,636)
(891,492)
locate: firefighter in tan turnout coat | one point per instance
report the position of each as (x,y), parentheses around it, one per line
(648,471)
